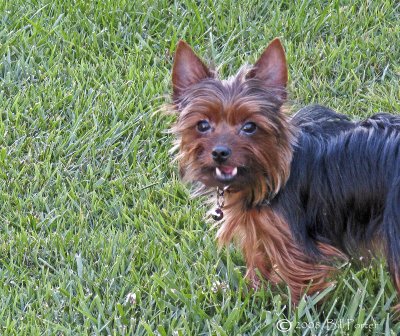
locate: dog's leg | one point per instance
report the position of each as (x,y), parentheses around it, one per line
(257,264)
(271,249)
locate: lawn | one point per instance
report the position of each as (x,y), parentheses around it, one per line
(97,233)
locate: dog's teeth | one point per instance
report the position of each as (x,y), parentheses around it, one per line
(218,172)
(234,171)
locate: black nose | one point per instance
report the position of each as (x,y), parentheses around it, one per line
(220,153)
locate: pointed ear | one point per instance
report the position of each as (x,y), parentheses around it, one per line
(271,67)
(188,69)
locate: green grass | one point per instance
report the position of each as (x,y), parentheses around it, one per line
(97,234)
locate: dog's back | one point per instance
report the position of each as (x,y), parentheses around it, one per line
(344,185)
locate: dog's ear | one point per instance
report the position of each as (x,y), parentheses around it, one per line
(271,67)
(188,69)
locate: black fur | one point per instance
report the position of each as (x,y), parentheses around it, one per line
(344,185)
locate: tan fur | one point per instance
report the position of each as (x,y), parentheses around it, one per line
(268,247)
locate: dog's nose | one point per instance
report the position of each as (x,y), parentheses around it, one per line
(221,153)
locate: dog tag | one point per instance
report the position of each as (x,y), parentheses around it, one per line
(217,215)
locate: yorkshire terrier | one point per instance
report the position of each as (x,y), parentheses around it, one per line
(294,192)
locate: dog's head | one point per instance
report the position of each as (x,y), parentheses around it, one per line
(233,132)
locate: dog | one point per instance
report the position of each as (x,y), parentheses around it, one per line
(296,193)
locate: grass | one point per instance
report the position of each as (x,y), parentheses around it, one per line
(97,234)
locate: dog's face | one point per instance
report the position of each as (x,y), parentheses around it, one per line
(232,132)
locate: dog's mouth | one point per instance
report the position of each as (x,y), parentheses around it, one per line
(225,174)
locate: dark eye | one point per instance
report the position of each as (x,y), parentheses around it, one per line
(249,128)
(203,126)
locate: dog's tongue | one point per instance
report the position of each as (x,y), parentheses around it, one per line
(227,169)
(225,173)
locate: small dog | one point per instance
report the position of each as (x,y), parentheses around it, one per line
(295,193)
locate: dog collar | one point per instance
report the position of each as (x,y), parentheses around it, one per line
(217,214)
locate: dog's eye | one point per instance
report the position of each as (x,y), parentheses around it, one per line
(249,128)
(203,126)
